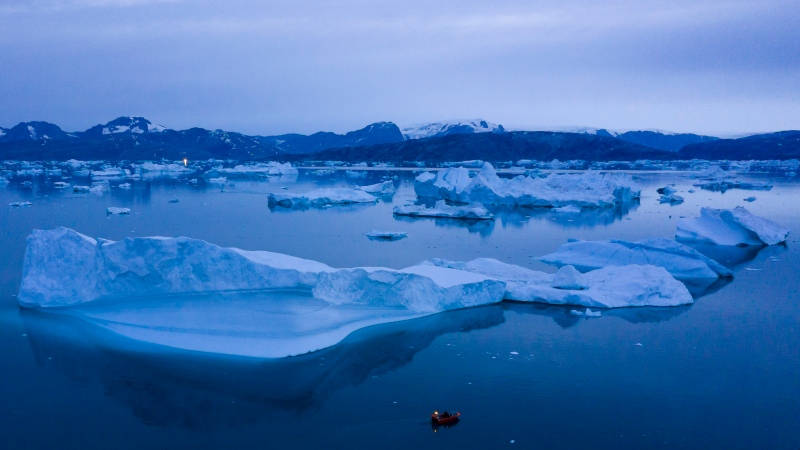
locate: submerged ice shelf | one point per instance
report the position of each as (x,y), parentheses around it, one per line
(194,295)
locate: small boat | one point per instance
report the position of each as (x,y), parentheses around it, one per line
(444,418)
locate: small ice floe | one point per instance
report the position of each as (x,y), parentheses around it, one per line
(669,195)
(377,235)
(638,344)
(193,181)
(27,183)
(80,189)
(60,185)
(569,209)
(750,199)
(124,186)
(218,180)
(587,313)
(322,172)
(385,188)
(475,211)
(355,173)
(731,227)
(19,204)
(514,353)
(112,210)
(321,197)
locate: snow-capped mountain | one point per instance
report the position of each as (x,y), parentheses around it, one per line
(126,124)
(33,131)
(426,130)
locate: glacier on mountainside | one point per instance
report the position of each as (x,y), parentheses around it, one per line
(588,190)
(730,227)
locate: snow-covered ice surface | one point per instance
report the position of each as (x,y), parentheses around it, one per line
(589,189)
(321,197)
(443,210)
(609,287)
(682,262)
(731,227)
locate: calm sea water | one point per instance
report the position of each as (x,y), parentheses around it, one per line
(722,373)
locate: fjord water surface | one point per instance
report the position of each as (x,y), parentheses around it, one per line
(722,373)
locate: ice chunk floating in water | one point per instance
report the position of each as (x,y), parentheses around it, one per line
(159,290)
(610,287)
(731,227)
(682,262)
(321,197)
(590,189)
(378,235)
(443,210)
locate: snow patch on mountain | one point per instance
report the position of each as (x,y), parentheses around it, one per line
(426,130)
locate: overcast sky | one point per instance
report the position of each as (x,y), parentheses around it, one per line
(271,67)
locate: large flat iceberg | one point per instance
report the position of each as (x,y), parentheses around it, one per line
(589,190)
(193,295)
(731,227)
(609,287)
(321,197)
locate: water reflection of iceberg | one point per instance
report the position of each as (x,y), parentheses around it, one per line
(732,256)
(561,314)
(588,218)
(173,388)
(482,227)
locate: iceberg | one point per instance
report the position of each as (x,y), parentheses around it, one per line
(682,262)
(441,209)
(588,190)
(80,189)
(730,227)
(609,287)
(112,210)
(19,204)
(60,185)
(158,290)
(385,188)
(321,197)
(124,186)
(171,170)
(669,195)
(271,168)
(386,235)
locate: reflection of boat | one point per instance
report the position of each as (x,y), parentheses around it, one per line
(445,418)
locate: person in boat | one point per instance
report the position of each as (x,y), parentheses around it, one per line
(445,415)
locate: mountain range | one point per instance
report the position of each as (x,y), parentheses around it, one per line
(136,138)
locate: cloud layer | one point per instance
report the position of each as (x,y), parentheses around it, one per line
(266,67)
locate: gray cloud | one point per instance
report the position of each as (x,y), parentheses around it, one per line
(295,66)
